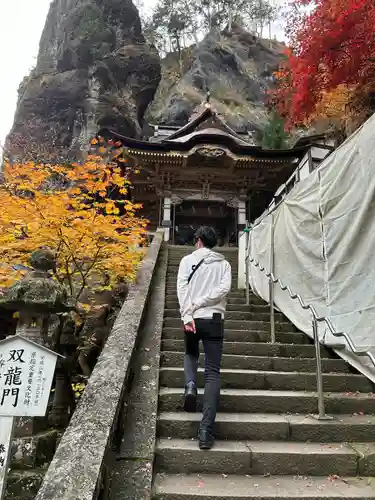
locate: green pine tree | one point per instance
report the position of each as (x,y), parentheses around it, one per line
(274,135)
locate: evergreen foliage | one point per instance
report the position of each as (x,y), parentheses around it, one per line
(176,24)
(274,136)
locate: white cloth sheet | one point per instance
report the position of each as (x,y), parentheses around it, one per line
(324,240)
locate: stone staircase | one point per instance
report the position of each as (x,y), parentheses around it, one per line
(268,444)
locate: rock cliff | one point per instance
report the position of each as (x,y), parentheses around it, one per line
(94,69)
(236,67)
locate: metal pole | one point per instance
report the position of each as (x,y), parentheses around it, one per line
(160,212)
(236,226)
(174,223)
(247,258)
(271,285)
(319,376)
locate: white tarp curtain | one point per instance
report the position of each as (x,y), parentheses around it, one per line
(324,240)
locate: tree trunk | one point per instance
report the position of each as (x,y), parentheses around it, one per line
(178,44)
(195,34)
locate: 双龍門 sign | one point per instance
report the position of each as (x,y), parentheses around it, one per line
(26,374)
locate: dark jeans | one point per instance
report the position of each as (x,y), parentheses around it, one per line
(211,332)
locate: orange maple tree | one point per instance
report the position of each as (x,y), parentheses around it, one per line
(80,212)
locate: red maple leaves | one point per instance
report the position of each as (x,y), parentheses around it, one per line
(333,45)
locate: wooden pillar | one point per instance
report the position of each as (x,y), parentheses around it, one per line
(167,218)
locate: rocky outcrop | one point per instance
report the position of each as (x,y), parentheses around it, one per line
(94,69)
(236,67)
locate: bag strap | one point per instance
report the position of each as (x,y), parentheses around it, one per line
(195,269)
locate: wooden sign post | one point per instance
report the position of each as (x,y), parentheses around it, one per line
(26,375)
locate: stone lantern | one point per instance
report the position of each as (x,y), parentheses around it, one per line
(39,300)
(37,297)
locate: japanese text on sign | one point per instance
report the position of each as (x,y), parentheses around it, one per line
(26,373)
(2,455)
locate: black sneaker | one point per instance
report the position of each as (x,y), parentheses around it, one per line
(206,439)
(190,404)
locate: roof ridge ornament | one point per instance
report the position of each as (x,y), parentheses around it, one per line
(210,151)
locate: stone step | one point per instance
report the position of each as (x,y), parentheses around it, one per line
(265,401)
(189,249)
(268,393)
(186,250)
(242,362)
(244,335)
(232,324)
(233,298)
(241,307)
(246,487)
(173,266)
(248,315)
(171,288)
(176,256)
(259,349)
(172,272)
(271,380)
(236,294)
(175,260)
(271,427)
(171,281)
(258,457)
(174,263)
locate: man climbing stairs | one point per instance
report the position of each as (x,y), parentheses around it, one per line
(268,445)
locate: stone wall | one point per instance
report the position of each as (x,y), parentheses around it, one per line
(79,469)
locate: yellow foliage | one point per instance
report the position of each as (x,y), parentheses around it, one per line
(78,389)
(335,106)
(74,211)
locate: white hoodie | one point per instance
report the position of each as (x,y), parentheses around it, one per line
(206,293)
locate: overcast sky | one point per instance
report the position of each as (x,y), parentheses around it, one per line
(21,24)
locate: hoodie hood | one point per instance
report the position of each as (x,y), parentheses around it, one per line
(208,255)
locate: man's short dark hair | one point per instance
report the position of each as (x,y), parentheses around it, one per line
(207,235)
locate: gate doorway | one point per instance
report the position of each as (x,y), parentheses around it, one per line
(189,215)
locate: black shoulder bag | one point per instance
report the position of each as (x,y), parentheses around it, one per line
(195,269)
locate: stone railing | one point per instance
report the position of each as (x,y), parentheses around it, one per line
(78,470)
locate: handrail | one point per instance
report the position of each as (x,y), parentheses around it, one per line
(315,320)
(312,309)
